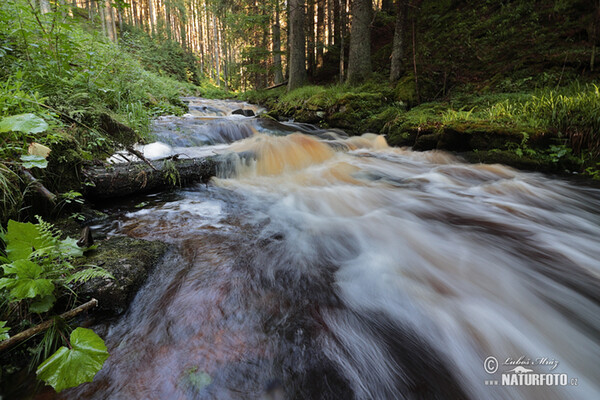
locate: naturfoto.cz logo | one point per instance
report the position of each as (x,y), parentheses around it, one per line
(520,372)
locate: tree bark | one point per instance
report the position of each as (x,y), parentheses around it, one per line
(297,67)
(119,180)
(310,36)
(359,61)
(278,74)
(320,31)
(342,21)
(398,44)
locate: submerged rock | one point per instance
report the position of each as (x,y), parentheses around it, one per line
(129,261)
(245,113)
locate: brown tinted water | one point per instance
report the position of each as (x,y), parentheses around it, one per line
(324,267)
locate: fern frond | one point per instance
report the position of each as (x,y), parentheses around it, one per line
(89,273)
(47,230)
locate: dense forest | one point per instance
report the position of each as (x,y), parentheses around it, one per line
(514,82)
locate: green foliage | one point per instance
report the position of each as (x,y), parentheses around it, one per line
(69,367)
(171,173)
(196,379)
(26,123)
(26,281)
(32,161)
(10,193)
(38,265)
(4,331)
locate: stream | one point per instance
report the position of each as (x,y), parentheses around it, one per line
(322,266)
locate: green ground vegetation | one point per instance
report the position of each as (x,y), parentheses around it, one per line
(60,68)
(496,81)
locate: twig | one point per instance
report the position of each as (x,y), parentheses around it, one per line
(19,337)
(140,156)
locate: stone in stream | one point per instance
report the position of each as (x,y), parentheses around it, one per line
(129,261)
(245,113)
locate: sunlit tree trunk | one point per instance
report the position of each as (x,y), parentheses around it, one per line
(297,67)
(216,50)
(278,74)
(359,58)
(320,31)
(330,5)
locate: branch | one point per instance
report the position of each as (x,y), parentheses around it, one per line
(39,188)
(19,337)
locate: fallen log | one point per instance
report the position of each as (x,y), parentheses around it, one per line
(119,180)
(19,337)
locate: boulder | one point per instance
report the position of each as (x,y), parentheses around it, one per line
(129,261)
(245,113)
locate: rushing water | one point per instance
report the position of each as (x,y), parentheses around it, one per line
(319,266)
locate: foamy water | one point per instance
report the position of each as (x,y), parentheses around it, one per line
(332,267)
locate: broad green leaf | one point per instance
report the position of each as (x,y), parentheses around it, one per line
(69,247)
(26,123)
(4,331)
(22,239)
(32,161)
(71,367)
(43,304)
(27,282)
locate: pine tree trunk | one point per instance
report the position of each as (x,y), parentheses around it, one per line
(310,36)
(359,61)
(342,40)
(278,78)
(320,31)
(330,5)
(337,20)
(398,45)
(297,67)
(216,50)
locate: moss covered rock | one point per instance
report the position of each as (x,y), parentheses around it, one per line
(129,261)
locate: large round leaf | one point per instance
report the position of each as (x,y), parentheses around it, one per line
(26,123)
(71,367)
(26,282)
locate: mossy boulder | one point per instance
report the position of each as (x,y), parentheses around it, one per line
(129,261)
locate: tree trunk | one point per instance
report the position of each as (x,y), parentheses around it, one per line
(278,78)
(398,46)
(342,40)
(320,31)
(216,50)
(310,36)
(337,20)
(297,67)
(359,61)
(108,20)
(137,177)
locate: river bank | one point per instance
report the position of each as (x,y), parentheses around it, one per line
(525,130)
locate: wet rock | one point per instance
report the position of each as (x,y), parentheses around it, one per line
(129,261)
(426,142)
(245,113)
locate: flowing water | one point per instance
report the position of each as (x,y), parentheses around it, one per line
(319,266)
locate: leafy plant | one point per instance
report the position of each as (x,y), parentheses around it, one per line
(4,331)
(79,363)
(38,267)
